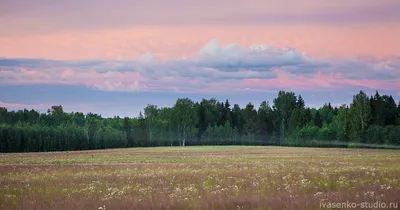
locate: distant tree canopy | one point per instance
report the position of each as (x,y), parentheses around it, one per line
(287,121)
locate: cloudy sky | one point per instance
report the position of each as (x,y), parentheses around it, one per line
(115,57)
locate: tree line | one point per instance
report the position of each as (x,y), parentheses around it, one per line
(368,120)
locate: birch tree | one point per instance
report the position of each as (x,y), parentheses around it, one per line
(186,117)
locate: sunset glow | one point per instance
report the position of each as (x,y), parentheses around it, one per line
(133,49)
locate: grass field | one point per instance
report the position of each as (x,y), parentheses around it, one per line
(226,177)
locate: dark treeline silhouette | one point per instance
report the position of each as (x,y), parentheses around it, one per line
(373,120)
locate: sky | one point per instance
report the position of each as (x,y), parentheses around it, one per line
(115,57)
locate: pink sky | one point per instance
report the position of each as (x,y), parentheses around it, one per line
(159,45)
(122,29)
(326,41)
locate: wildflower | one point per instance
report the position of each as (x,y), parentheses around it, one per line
(318,194)
(370,193)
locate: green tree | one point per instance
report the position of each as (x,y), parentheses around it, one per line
(389,110)
(317,119)
(377,111)
(327,113)
(360,111)
(398,114)
(185,117)
(300,104)
(150,114)
(284,105)
(237,118)
(251,121)
(128,131)
(140,137)
(58,116)
(296,120)
(264,111)
(94,125)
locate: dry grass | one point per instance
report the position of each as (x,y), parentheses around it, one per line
(228,177)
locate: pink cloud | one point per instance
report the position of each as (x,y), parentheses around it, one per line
(78,77)
(214,68)
(320,82)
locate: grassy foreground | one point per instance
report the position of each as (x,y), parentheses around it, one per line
(226,177)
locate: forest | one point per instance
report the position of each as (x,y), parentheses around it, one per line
(367,121)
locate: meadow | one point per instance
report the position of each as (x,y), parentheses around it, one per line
(218,177)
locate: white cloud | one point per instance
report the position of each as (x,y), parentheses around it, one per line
(257,57)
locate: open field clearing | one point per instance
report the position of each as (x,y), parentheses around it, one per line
(226,177)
